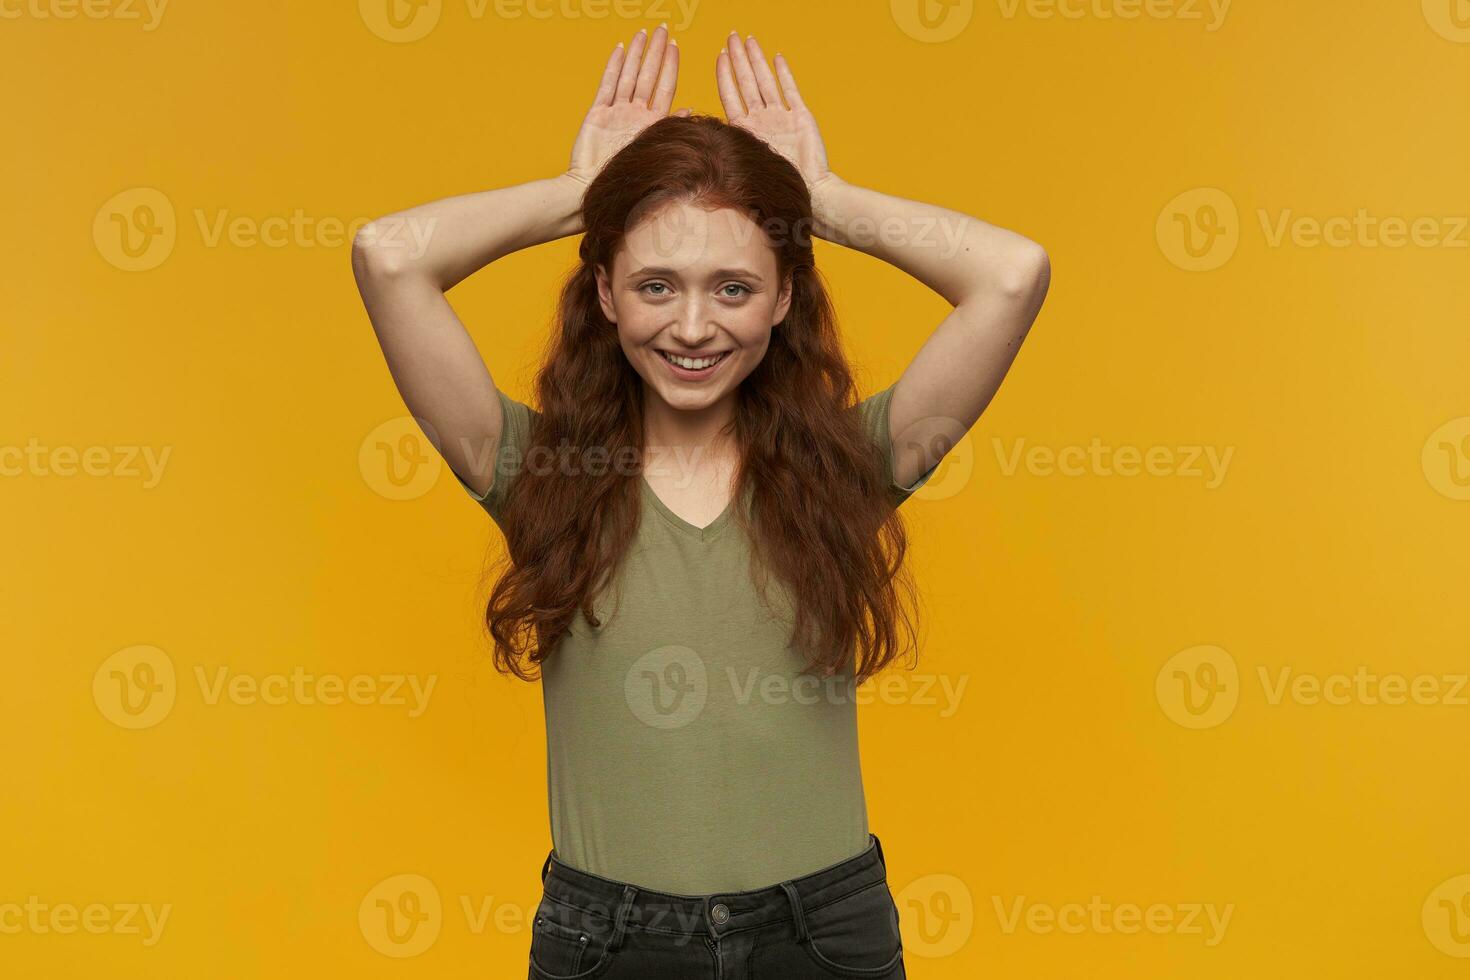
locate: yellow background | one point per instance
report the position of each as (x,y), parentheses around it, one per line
(1073,765)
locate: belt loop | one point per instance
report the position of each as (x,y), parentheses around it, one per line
(796,913)
(879,845)
(547,866)
(621,922)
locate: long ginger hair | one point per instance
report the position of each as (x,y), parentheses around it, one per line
(820,518)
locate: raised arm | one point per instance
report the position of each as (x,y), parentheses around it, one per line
(434,362)
(995,279)
(404,262)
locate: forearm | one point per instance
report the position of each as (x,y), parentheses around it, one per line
(447,240)
(958,256)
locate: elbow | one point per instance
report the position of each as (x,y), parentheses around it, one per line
(373,257)
(1026,274)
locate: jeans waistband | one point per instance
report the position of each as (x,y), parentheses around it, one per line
(624,905)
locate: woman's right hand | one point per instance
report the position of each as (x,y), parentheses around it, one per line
(636,91)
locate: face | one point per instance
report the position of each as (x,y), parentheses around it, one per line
(695,295)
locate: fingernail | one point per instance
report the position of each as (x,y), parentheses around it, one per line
(664,25)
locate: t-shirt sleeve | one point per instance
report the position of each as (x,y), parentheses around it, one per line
(874,413)
(510,456)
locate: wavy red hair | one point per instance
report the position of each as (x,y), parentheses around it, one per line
(820,519)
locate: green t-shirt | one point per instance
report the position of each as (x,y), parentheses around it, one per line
(685,750)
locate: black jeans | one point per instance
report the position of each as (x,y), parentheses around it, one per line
(837,922)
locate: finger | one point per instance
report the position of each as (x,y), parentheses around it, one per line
(628,77)
(788,83)
(729,91)
(740,61)
(668,79)
(764,80)
(684,112)
(652,65)
(609,83)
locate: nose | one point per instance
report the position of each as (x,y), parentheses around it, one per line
(694,328)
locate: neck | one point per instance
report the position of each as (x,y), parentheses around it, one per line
(679,438)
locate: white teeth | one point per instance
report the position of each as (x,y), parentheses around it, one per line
(691,363)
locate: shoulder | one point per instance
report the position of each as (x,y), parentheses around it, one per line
(873,412)
(517,421)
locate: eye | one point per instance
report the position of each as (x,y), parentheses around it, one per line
(744,290)
(647,286)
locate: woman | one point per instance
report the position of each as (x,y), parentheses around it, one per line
(704,550)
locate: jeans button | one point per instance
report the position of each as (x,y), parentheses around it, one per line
(720,914)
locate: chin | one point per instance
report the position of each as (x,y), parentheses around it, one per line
(689,399)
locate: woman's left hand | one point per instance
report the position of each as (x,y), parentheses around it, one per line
(751,96)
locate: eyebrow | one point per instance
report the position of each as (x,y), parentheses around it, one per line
(660,270)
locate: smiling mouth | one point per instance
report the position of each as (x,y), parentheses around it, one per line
(693,363)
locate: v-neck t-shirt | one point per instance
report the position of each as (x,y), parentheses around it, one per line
(685,751)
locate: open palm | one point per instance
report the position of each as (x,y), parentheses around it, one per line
(635,92)
(751,95)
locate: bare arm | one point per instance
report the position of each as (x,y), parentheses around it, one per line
(434,362)
(995,279)
(404,262)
